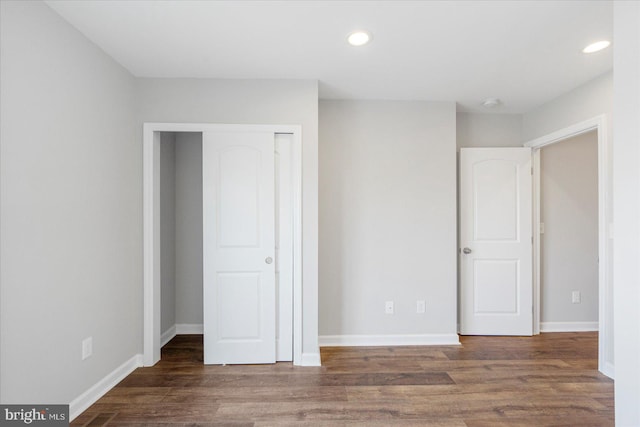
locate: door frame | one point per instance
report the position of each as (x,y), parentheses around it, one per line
(599,124)
(151,226)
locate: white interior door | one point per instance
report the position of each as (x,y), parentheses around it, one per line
(239,247)
(496,241)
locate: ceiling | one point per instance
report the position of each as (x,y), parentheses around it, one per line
(523,52)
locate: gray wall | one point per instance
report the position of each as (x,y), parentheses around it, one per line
(188,208)
(181,228)
(70,209)
(387,217)
(488,130)
(583,103)
(569,245)
(291,102)
(167,230)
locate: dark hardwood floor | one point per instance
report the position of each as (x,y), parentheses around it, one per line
(546,380)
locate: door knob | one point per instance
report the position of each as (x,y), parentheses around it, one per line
(466,251)
(268,260)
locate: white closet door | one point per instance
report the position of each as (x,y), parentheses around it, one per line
(239,247)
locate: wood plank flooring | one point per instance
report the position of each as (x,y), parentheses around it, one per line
(547,380)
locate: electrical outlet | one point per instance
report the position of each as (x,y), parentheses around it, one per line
(421,306)
(388,307)
(542,228)
(87,347)
(575,297)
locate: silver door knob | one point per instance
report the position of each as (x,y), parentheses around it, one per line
(466,251)
(268,260)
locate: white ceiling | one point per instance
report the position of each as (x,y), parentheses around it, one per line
(524,52)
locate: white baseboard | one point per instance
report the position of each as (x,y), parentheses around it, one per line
(387,340)
(568,326)
(609,370)
(89,397)
(167,336)
(189,328)
(180,329)
(310,359)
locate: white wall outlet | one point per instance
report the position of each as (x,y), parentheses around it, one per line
(87,347)
(388,307)
(575,297)
(542,228)
(421,306)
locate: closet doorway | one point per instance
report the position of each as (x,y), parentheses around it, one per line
(286,250)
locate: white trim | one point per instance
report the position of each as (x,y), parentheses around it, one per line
(608,370)
(598,123)
(568,326)
(91,396)
(181,329)
(151,230)
(387,340)
(568,132)
(310,359)
(167,336)
(151,256)
(536,240)
(296,201)
(189,329)
(284,249)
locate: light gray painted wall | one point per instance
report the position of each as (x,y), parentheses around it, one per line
(291,102)
(569,245)
(70,209)
(488,130)
(167,230)
(626,62)
(188,209)
(387,217)
(583,103)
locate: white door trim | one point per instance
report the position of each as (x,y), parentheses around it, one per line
(599,124)
(151,227)
(284,253)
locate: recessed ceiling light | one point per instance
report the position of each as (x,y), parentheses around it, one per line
(491,102)
(594,47)
(359,38)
